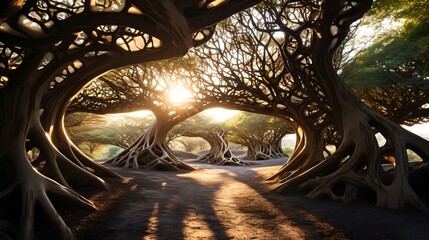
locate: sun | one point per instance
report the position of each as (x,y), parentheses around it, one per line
(179,95)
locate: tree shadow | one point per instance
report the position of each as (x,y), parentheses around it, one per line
(360,219)
(224,202)
(156,205)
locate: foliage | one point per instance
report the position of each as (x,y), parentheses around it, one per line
(94,133)
(288,150)
(401,55)
(247,127)
(381,63)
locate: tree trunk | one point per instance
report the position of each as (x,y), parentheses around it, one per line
(256,151)
(219,152)
(20,179)
(265,151)
(151,151)
(65,146)
(355,164)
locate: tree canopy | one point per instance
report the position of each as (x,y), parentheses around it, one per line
(275,59)
(261,134)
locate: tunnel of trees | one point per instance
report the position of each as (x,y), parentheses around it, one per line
(277,58)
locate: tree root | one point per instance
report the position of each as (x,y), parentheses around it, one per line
(356,165)
(221,160)
(36,193)
(155,157)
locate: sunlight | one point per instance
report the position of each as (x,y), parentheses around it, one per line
(152,227)
(178,95)
(115,117)
(195,221)
(220,114)
(238,218)
(420,129)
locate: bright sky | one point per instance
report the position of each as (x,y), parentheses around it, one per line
(419,129)
(121,116)
(220,114)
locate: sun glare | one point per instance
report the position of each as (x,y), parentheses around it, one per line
(179,95)
(220,114)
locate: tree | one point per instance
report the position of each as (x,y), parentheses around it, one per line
(405,104)
(390,75)
(356,161)
(131,130)
(216,135)
(144,87)
(191,144)
(50,49)
(86,133)
(260,133)
(337,153)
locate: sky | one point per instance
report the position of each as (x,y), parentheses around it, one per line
(419,129)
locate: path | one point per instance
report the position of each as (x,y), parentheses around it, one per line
(224,202)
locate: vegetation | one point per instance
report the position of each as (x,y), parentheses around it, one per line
(279,59)
(261,134)
(391,75)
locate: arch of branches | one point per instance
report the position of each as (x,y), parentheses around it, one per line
(286,70)
(50,49)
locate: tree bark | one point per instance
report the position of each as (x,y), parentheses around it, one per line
(356,162)
(219,152)
(34,189)
(151,151)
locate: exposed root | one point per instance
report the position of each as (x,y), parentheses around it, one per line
(36,193)
(221,159)
(264,152)
(59,167)
(357,164)
(155,157)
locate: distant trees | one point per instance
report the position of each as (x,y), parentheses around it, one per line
(88,132)
(216,134)
(260,133)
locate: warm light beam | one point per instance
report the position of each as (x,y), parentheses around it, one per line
(179,95)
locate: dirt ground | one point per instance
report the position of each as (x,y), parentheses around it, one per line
(225,202)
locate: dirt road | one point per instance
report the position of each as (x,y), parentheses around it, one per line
(224,202)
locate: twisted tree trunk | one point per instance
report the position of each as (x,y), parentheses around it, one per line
(151,150)
(355,164)
(219,152)
(33,183)
(264,151)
